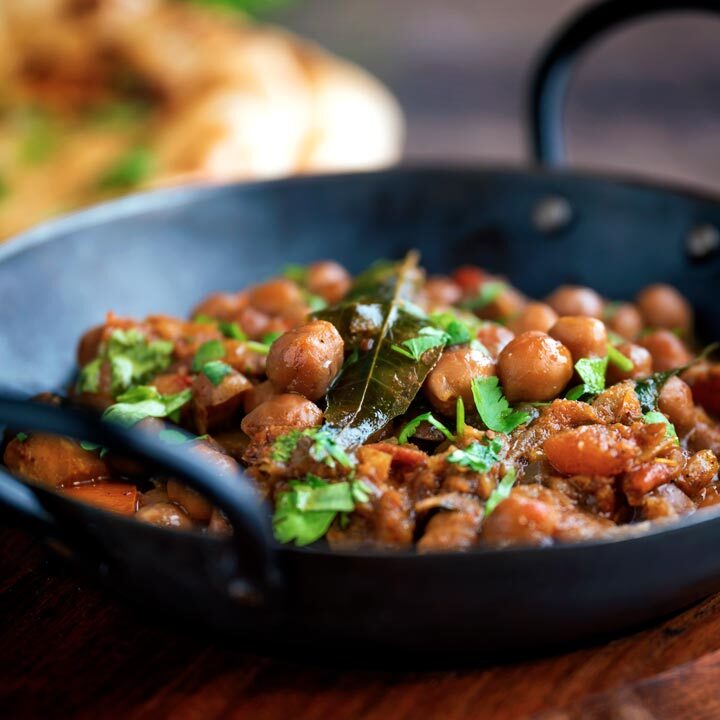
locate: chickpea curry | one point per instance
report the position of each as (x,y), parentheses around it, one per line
(399,410)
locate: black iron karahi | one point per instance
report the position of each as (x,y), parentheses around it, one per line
(163,251)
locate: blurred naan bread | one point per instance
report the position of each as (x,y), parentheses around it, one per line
(101,97)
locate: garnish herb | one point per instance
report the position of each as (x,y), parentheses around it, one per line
(620,361)
(143,402)
(296,273)
(488,293)
(92,447)
(501,492)
(41,136)
(215,371)
(409,429)
(460,329)
(428,338)
(459,417)
(493,407)
(129,170)
(479,457)
(592,373)
(305,511)
(132,360)
(21,437)
(207,352)
(324,448)
(229,329)
(654,417)
(263,348)
(648,389)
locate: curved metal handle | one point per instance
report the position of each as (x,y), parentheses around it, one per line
(229,491)
(550,81)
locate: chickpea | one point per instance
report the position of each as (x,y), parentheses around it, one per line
(662,306)
(329,280)
(225,306)
(219,524)
(494,337)
(216,405)
(441,291)
(274,296)
(535,316)
(164,515)
(452,376)
(583,336)
(509,303)
(306,360)
(576,300)
(668,351)
(625,320)
(194,504)
(676,401)
(254,323)
(638,356)
(534,367)
(282,411)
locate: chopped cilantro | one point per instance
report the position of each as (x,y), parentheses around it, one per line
(428,338)
(648,389)
(133,359)
(143,402)
(409,429)
(314,302)
(21,437)
(305,511)
(92,447)
(178,437)
(493,407)
(215,371)
(271,337)
(460,328)
(654,417)
(501,492)
(592,373)
(620,361)
(460,417)
(232,330)
(129,170)
(324,448)
(296,273)
(40,136)
(477,456)
(284,446)
(207,352)
(488,293)
(203,319)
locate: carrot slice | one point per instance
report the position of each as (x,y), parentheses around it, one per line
(119,498)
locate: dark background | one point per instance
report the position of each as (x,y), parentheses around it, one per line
(646,100)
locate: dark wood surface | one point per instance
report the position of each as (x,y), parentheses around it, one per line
(67,649)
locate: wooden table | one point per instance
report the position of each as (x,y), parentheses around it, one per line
(69,650)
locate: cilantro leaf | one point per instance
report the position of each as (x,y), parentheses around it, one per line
(133,359)
(620,361)
(323,449)
(215,371)
(178,437)
(207,352)
(305,511)
(408,430)
(143,402)
(296,273)
(92,447)
(648,389)
(501,492)
(231,330)
(460,327)
(592,373)
(487,294)
(493,407)
(460,417)
(284,446)
(21,437)
(654,416)
(428,338)
(477,456)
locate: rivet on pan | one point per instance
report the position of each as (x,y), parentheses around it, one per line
(552,214)
(702,241)
(244,592)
